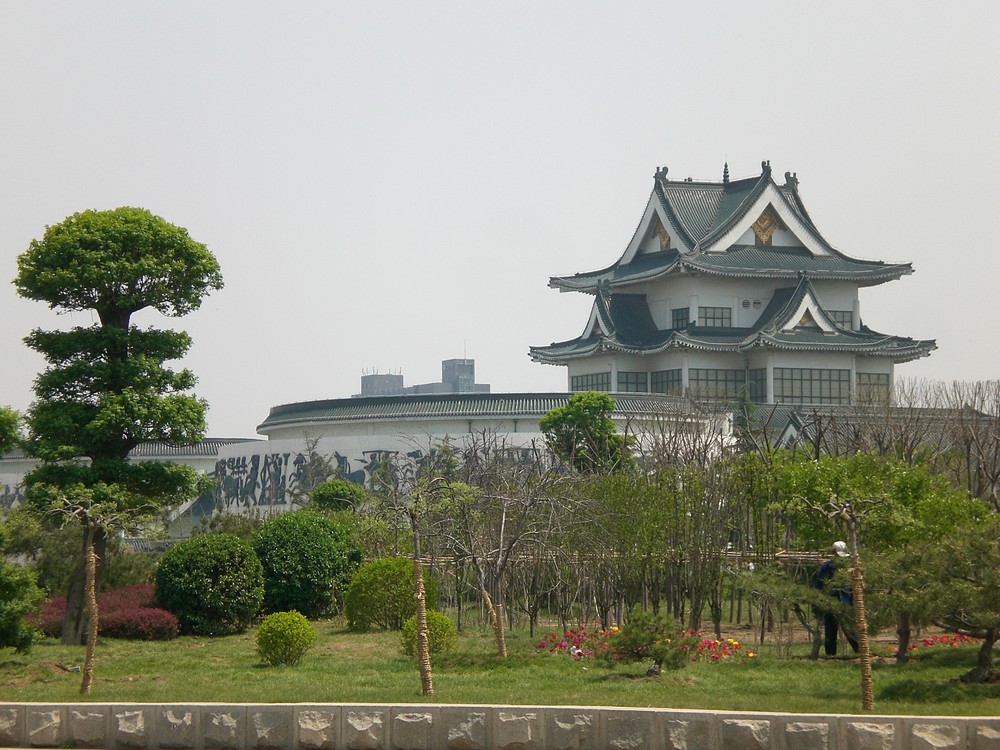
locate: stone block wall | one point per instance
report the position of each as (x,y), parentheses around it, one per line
(436,727)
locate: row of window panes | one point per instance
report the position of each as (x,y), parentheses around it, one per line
(709,317)
(792,385)
(596,381)
(715,317)
(666,381)
(713,383)
(633,382)
(722,317)
(806,385)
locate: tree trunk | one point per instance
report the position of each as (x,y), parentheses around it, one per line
(92,613)
(423,639)
(74,630)
(497,622)
(984,662)
(903,637)
(861,620)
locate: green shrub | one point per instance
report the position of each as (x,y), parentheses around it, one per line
(283,638)
(648,637)
(381,594)
(441,634)
(308,559)
(19,597)
(213,583)
(337,494)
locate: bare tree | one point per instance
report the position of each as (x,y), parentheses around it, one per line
(506,508)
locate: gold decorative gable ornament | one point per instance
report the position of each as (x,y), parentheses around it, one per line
(662,234)
(766,223)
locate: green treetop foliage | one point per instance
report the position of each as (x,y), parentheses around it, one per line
(583,434)
(10,422)
(896,503)
(116,263)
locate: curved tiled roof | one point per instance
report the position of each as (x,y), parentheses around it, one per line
(768,332)
(450,405)
(209,448)
(741,261)
(702,212)
(206,447)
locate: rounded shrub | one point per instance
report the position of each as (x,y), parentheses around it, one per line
(283,638)
(381,594)
(441,634)
(308,559)
(337,494)
(213,583)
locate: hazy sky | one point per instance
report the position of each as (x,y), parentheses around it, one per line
(390,184)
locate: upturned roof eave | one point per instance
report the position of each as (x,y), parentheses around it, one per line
(874,275)
(883,347)
(882,275)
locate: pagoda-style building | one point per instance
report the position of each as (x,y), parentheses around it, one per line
(729,288)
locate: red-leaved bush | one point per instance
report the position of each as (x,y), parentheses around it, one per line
(131,597)
(140,624)
(122,613)
(50,619)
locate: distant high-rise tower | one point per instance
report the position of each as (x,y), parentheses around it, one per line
(457,376)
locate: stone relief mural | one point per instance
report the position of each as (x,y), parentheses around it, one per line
(274,482)
(277,480)
(11,496)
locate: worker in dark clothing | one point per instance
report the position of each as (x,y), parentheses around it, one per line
(831,622)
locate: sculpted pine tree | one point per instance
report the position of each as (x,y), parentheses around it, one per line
(105,388)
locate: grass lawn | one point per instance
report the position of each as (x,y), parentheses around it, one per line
(351,668)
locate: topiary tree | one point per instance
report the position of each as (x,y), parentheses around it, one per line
(441,634)
(213,583)
(308,559)
(380,594)
(107,387)
(337,494)
(283,638)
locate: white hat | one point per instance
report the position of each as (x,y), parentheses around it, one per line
(840,548)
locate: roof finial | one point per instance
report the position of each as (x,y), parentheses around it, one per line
(660,174)
(765,167)
(792,180)
(725,174)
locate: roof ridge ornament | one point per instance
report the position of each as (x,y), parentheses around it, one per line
(661,174)
(792,180)
(725,173)
(765,168)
